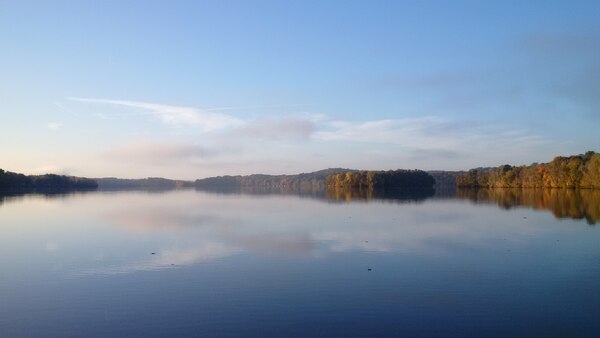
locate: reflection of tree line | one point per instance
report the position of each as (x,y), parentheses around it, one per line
(49,194)
(335,194)
(563,203)
(342,194)
(302,191)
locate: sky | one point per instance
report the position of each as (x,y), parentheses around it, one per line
(190,89)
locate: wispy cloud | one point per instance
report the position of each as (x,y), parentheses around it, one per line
(159,153)
(292,127)
(171,115)
(53,125)
(64,108)
(295,127)
(255,107)
(422,141)
(395,131)
(388,143)
(424,132)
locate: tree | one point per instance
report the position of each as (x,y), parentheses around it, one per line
(577,171)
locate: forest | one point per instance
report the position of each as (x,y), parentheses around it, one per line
(381,179)
(15,181)
(577,171)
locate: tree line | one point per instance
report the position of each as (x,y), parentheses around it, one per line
(577,171)
(15,181)
(304,181)
(381,179)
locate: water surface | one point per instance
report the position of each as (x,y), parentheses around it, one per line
(185,262)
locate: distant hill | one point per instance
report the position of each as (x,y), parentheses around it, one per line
(314,179)
(150,183)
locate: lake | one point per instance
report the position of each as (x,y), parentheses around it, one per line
(334,264)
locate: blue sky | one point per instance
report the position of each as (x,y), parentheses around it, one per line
(193,89)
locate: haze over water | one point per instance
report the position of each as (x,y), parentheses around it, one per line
(189,262)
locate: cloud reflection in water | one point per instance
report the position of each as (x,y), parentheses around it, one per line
(189,227)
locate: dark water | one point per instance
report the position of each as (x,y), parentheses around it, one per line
(192,263)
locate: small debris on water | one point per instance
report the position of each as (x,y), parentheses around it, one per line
(369,269)
(154,253)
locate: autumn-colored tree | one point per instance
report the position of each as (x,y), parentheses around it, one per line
(578,171)
(591,174)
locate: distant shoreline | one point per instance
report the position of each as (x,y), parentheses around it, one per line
(576,171)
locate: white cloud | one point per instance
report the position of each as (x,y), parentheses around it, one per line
(176,115)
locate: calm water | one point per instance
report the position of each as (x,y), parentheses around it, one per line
(183,263)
